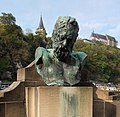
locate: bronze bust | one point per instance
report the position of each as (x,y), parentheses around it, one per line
(60,65)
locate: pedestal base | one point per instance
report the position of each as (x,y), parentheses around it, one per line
(59,101)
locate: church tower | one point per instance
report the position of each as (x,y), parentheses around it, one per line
(41,32)
(41,29)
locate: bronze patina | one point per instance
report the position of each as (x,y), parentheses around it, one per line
(60,65)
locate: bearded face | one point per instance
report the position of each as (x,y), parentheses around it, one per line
(64,36)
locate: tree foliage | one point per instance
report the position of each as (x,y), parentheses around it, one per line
(7,19)
(34,41)
(13,49)
(103,62)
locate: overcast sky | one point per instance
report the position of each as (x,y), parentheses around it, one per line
(102,16)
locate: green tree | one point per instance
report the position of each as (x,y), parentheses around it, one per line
(13,48)
(7,19)
(103,62)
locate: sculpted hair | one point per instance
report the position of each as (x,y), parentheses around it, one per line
(66,27)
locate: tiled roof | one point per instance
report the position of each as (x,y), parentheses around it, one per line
(111,38)
(98,36)
(106,37)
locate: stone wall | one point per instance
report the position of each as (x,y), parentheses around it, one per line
(12,99)
(12,109)
(59,101)
(104,105)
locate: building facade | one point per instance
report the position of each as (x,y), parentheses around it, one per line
(105,39)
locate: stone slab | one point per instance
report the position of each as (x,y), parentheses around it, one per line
(45,101)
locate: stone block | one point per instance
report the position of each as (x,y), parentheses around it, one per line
(45,101)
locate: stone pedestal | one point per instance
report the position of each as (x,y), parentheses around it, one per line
(45,101)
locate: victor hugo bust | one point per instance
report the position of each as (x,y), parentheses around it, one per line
(60,65)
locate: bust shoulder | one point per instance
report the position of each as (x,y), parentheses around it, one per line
(80,55)
(43,55)
(39,53)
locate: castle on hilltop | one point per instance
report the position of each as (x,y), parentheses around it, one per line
(105,39)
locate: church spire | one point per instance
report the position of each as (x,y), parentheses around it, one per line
(41,25)
(41,28)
